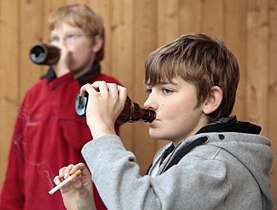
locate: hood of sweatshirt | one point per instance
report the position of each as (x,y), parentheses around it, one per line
(242,141)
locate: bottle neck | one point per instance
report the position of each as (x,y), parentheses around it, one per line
(132,112)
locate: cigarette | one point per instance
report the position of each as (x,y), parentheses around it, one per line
(64,182)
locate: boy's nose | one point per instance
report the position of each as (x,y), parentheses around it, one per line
(150,103)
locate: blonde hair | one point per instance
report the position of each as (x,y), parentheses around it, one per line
(81,16)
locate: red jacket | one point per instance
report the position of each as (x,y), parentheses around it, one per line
(47,136)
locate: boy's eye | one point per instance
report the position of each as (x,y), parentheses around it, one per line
(148,90)
(54,39)
(70,36)
(166,90)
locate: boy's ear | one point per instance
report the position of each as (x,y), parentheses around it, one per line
(97,43)
(213,100)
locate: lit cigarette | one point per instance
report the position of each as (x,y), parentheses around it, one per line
(64,182)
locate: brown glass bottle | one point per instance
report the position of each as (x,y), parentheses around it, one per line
(44,54)
(131,112)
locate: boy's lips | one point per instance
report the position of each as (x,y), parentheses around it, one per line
(153,122)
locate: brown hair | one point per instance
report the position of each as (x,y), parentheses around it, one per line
(201,60)
(79,15)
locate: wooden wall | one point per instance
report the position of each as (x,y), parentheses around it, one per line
(134,28)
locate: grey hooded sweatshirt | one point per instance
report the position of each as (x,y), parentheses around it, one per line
(224,166)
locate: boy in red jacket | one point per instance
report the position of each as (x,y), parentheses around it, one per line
(48,133)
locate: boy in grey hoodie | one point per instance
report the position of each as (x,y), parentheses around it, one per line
(213,162)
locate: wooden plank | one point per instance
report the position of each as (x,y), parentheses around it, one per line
(31,13)
(9,69)
(235,39)
(213,17)
(190,15)
(122,30)
(77,2)
(257,63)
(168,21)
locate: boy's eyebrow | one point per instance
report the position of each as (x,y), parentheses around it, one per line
(162,83)
(168,82)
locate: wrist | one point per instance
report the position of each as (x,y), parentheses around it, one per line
(100,129)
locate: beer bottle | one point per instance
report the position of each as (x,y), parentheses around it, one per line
(131,112)
(44,54)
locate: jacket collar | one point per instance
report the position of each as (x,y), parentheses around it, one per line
(230,124)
